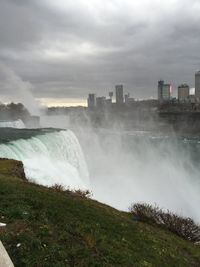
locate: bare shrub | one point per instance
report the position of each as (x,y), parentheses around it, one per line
(145,212)
(82,193)
(184,227)
(58,187)
(78,192)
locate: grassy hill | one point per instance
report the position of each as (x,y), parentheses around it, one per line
(55,229)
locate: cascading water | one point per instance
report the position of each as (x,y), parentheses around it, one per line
(51,158)
(137,166)
(12,124)
(131,167)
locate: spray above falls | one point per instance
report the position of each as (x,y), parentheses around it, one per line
(15,89)
(50,158)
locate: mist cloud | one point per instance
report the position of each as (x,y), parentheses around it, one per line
(14,89)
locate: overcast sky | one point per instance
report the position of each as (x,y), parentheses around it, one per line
(61,50)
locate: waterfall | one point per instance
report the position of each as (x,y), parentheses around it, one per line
(51,158)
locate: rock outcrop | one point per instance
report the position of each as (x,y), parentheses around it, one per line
(13,168)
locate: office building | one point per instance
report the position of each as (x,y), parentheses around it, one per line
(126,98)
(164,91)
(119,94)
(197,85)
(192,99)
(101,102)
(111,95)
(109,103)
(160,86)
(129,100)
(183,92)
(91,100)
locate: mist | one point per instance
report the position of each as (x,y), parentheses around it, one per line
(129,166)
(14,89)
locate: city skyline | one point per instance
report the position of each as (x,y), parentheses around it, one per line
(60,50)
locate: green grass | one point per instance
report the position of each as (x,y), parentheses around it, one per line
(56,229)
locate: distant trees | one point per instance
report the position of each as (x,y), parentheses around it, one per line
(13,111)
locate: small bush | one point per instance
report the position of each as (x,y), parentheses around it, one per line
(79,192)
(58,187)
(82,193)
(184,227)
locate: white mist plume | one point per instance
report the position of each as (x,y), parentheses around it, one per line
(14,89)
(127,169)
(131,166)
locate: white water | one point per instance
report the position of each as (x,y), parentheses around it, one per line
(12,124)
(49,159)
(142,172)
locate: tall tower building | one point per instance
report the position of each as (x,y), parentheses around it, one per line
(183,92)
(101,102)
(111,96)
(197,85)
(91,100)
(160,89)
(164,91)
(119,94)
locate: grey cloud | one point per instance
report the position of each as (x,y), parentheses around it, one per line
(71,51)
(17,26)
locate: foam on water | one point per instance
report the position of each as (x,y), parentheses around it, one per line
(52,158)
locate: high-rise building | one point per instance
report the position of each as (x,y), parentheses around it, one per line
(119,94)
(197,85)
(164,91)
(111,95)
(126,98)
(109,103)
(91,100)
(101,102)
(160,87)
(167,91)
(183,92)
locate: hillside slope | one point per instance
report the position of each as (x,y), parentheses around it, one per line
(49,228)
